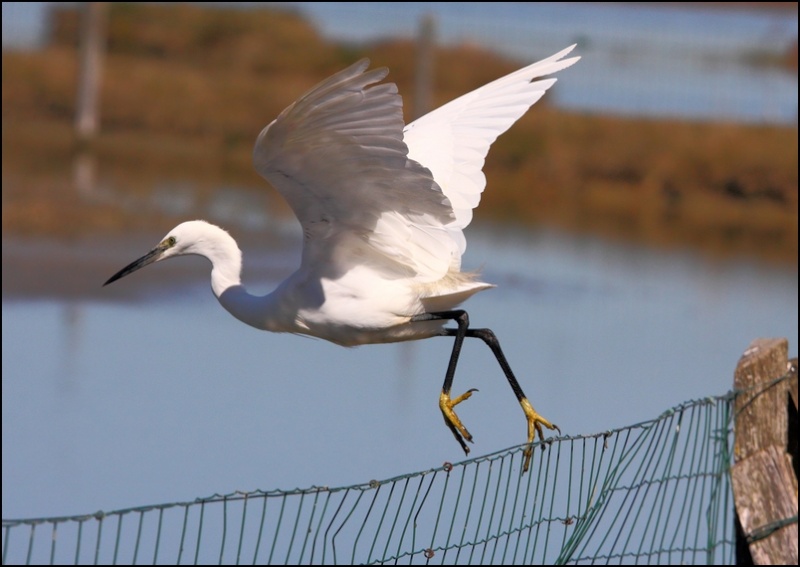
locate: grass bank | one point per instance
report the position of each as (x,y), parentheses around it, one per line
(186,90)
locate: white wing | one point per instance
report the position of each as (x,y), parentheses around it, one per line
(452,141)
(337,155)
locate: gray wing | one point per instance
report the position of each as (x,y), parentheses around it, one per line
(337,156)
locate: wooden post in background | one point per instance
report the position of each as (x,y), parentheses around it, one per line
(92,48)
(423,75)
(764,481)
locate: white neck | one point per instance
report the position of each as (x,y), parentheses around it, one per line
(226,260)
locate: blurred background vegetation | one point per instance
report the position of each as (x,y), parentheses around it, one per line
(186,89)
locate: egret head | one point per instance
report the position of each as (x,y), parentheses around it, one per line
(186,238)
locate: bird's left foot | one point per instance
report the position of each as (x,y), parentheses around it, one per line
(452,420)
(535,423)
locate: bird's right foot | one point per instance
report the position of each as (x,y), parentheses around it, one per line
(452,420)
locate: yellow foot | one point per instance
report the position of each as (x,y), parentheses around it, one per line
(535,423)
(451,419)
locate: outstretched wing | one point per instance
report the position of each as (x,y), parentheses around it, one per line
(338,157)
(452,141)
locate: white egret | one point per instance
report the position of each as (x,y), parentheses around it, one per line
(382,207)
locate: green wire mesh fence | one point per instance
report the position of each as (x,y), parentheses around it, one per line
(655,492)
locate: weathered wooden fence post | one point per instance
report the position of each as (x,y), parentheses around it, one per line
(764,481)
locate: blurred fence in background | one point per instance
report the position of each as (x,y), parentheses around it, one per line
(676,59)
(731,61)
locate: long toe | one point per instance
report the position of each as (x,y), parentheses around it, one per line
(535,424)
(451,419)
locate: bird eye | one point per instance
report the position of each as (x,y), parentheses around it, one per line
(170,241)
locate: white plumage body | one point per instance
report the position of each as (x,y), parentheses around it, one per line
(382,206)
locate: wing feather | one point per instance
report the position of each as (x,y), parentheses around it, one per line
(453,140)
(338,157)
(343,161)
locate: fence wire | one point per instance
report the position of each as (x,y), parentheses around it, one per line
(654,492)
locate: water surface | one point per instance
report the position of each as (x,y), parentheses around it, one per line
(150,392)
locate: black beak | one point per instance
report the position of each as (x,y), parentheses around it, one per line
(148,258)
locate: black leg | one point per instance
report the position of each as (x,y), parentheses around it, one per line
(535,421)
(446,404)
(461,319)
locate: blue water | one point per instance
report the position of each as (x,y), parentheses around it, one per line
(111,402)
